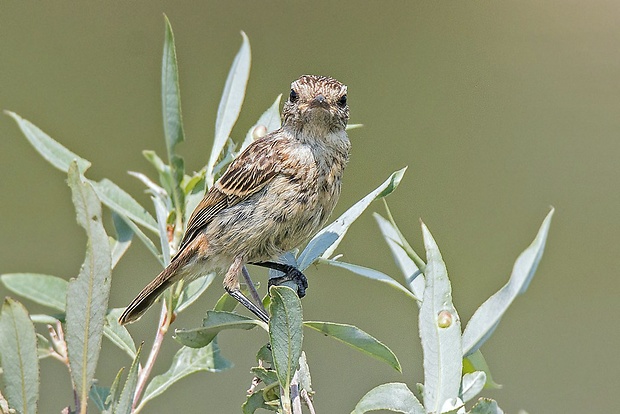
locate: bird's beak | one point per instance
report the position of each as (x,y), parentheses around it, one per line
(319,101)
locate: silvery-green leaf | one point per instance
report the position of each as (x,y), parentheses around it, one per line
(487,317)
(143,238)
(56,154)
(171,94)
(185,362)
(230,104)
(122,203)
(440,331)
(369,273)
(214,323)
(413,277)
(125,402)
(118,334)
(472,384)
(285,334)
(327,240)
(358,339)
(394,396)
(87,295)
(476,362)
(18,353)
(270,119)
(353,126)
(122,239)
(161,212)
(45,290)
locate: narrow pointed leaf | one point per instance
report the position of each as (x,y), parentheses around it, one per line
(126,399)
(56,154)
(87,295)
(270,119)
(118,334)
(171,94)
(327,240)
(122,203)
(413,277)
(487,317)
(143,238)
(214,323)
(99,395)
(285,332)
(230,104)
(440,331)
(185,362)
(122,239)
(368,273)
(358,339)
(45,290)
(395,397)
(18,354)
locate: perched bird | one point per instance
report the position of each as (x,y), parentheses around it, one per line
(272,198)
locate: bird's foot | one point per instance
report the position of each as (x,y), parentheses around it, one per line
(292,275)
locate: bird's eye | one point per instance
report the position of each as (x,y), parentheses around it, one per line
(342,102)
(293,96)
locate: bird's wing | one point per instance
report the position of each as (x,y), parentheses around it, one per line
(248,174)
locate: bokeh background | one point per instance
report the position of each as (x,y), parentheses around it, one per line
(500,109)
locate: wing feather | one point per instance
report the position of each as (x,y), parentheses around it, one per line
(249,173)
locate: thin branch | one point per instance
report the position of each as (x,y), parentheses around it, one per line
(145,372)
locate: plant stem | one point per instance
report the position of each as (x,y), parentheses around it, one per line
(164,324)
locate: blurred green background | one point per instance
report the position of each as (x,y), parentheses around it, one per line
(500,109)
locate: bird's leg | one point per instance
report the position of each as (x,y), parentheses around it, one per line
(242,299)
(231,285)
(291,273)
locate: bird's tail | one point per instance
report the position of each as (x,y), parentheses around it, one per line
(146,297)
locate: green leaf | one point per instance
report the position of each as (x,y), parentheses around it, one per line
(286,334)
(99,395)
(122,203)
(476,362)
(327,240)
(256,401)
(45,290)
(215,322)
(471,385)
(143,238)
(440,331)
(413,277)
(118,334)
(112,399)
(369,273)
(56,154)
(270,119)
(193,291)
(393,396)
(87,295)
(18,353)
(267,376)
(230,104)
(171,94)
(358,339)
(121,240)
(486,406)
(126,399)
(487,317)
(185,362)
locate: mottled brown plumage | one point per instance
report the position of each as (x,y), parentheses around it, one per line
(273,197)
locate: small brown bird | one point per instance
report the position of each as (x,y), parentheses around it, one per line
(274,196)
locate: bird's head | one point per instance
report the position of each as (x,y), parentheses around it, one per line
(316,103)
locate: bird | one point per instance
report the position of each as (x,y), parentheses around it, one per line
(275,195)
